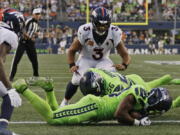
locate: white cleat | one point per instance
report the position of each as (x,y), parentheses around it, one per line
(64,103)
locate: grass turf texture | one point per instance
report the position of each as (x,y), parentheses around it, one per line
(55,66)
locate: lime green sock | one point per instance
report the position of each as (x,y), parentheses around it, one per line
(39,104)
(175,82)
(51,99)
(176,103)
(160,81)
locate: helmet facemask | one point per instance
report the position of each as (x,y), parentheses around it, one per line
(101,20)
(159,101)
(101,27)
(91,83)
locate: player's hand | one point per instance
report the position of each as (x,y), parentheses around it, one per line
(119,66)
(142,122)
(74,69)
(16,100)
(145,121)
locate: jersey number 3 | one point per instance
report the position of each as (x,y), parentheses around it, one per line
(98,53)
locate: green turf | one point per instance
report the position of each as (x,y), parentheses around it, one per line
(55,66)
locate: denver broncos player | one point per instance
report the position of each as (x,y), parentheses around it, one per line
(10,26)
(95,41)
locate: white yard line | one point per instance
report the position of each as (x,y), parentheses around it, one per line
(43,122)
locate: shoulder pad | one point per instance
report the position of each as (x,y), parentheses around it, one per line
(83,32)
(116,34)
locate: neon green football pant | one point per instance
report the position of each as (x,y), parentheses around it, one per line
(164,80)
(84,110)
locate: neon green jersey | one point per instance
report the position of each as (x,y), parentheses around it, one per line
(109,103)
(112,81)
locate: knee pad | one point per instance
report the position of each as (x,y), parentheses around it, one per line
(76,79)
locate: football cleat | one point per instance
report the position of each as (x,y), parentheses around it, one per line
(20,85)
(44,82)
(64,103)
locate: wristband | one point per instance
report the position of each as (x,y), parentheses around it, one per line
(125,65)
(136,122)
(71,65)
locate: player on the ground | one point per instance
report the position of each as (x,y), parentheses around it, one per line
(117,106)
(102,82)
(95,41)
(10,26)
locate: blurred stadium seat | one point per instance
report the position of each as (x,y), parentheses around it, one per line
(61,14)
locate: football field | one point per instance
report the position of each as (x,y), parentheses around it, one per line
(26,121)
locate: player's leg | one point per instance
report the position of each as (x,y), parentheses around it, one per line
(48,86)
(6,107)
(51,99)
(84,64)
(84,110)
(151,84)
(176,103)
(40,105)
(32,55)
(175,81)
(164,80)
(106,64)
(18,55)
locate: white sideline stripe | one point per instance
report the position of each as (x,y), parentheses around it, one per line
(63,77)
(43,122)
(47,73)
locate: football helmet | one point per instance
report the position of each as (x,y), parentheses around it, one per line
(14,19)
(159,100)
(91,83)
(101,20)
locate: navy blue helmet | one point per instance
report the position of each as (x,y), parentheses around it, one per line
(91,83)
(14,19)
(159,100)
(101,20)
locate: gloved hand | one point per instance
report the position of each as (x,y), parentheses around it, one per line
(16,100)
(142,122)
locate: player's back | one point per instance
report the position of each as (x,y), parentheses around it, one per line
(8,36)
(109,103)
(97,51)
(112,81)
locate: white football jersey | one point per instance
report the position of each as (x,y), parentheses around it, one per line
(96,51)
(8,36)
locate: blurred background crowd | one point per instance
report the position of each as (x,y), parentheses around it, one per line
(121,10)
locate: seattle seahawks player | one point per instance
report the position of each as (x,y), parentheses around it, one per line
(95,41)
(10,27)
(120,105)
(101,82)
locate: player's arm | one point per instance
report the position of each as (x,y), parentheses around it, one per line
(4,50)
(123,113)
(122,51)
(75,46)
